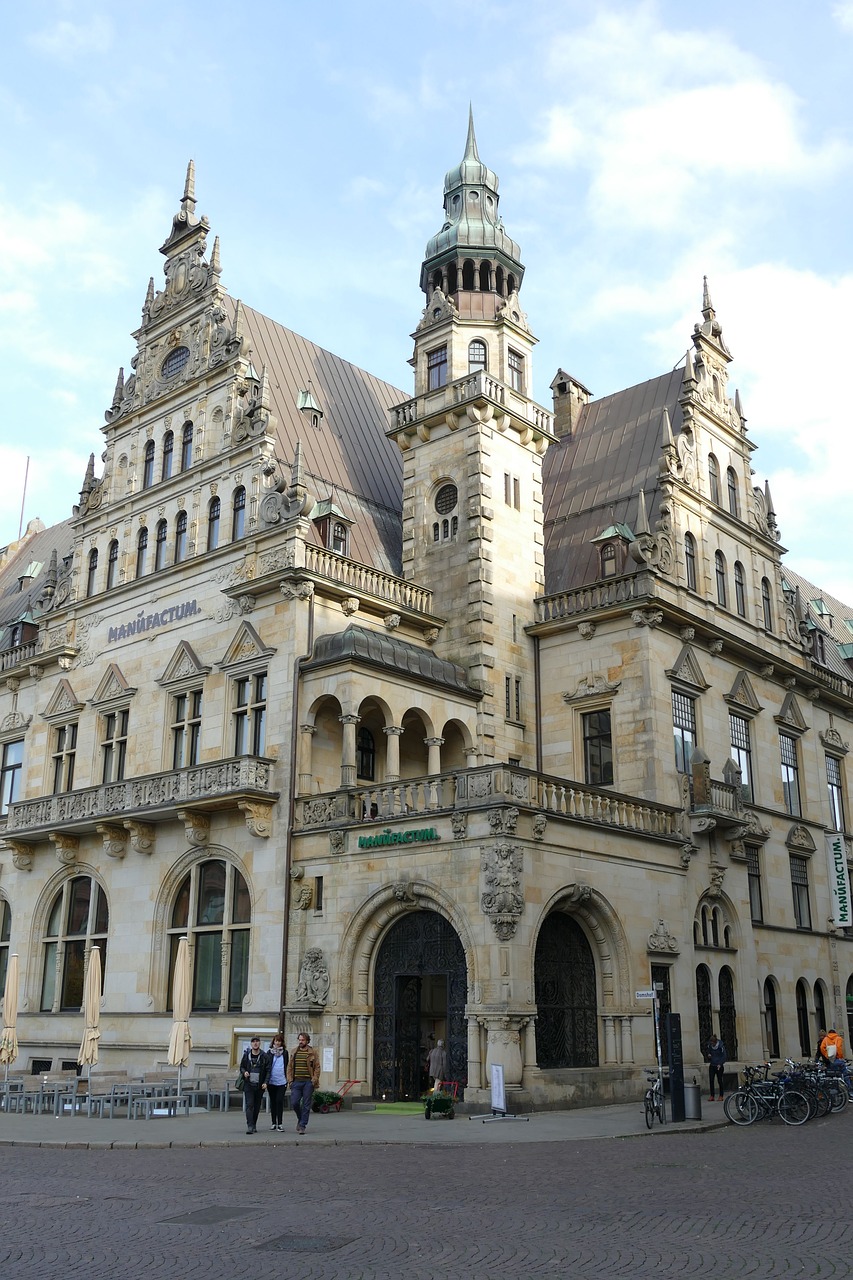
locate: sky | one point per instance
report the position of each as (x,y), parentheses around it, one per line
(639,147)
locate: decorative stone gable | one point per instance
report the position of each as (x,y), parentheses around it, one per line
(246,648)
(742,695)
(790,716)
(183,665)
(686,670)
(63,702)
(112,688)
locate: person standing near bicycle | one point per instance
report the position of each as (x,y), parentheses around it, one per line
(832,1051)
(716,1052)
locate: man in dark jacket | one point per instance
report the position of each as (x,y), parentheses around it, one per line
(254,1068)
(716,1061)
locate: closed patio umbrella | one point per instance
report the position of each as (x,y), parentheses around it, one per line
(88,1054)
(9,1040)
(180,1041)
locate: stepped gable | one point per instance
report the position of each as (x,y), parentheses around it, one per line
(593,480)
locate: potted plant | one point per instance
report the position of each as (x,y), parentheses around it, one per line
(326,1100)
(438,1104)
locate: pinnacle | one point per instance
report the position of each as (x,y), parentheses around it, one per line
(188,199)
(471,152)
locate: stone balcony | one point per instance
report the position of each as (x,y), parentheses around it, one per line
(475,389)
(130,810)
(609,593)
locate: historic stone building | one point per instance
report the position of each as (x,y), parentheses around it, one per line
(446,717)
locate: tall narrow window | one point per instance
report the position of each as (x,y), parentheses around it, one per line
(803,1019)
(771,1020)
(92,572)
(728,1012)
(515,364)
(690,560)
(141,551)
(186,728)
(250,714)
(212,908)
(714,478)
(148,465)
(766,607)
(731,485)
(238,514)
(741,752)
(113,745)
(720,573)
(160,546)
(684,729)
(597,748)
(608,560)
(187,447)
(436,368)
(365,755)
(64,755)
(790,774)
(703,1004)
(740,589)
(112,564)
(476,355)
(168,454)
(339,538)
(836,794)
(181,537)
(213,515)
(753,875)
(78,921)
(800,888)
(12,758)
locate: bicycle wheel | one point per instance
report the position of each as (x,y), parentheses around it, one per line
(741,1107)
(649,1109)
(838,1096)
(794,1107)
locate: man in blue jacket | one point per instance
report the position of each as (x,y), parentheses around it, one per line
(716,1061)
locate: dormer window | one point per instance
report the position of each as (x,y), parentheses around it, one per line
(340,539)
(608,560)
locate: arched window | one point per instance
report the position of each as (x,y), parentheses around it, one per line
(771,1020)
(213,910)
(715,926)
(720,573)
(714,478)
(510,284)
(238,514)
(467,274)
(766,607)
(703,1004)
(339,538)
(819,1006)
(803,1019)
(706,937)
(485,277)
(112,564)
(731,484)
(168,454)
(740,589)
(148,466)
(445,502)
(452,277)
(608,560)
(187,447)
(141,551)
(728,1012)
(565,994)
(160,548)
(181,537)
(436,280)
(78,920)
(5,933)
(690,560)
(499,280)
(92,574)
(366,755)
(213,512)
(476,355)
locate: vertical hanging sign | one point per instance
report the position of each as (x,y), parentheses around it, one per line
(839,881)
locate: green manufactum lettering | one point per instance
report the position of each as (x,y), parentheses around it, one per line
(389,837)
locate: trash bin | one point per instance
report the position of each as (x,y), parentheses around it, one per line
(692,1102)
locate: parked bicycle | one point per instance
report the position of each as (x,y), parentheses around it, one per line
(653,1100)
(762,1098)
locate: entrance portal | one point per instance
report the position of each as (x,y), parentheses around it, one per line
(419,990)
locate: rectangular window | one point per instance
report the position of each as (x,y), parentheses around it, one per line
(790,774)
(250,714)
(597,748)
(834,786)
(114,745)
(516,493)
(318,893)
(512,698)
(516,370)
(436,368)
(64,753)
(741,752)
(753,875)
(684,729)
(800,887)
(186,728)
(10,773)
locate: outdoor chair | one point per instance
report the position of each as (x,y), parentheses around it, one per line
(220,1086)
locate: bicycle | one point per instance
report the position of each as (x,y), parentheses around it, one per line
(760,1098)
(653,1101)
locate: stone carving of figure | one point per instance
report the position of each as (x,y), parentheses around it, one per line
(314,980)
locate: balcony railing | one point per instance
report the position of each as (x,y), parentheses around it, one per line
(207,786)
(361,579)
(474,386)
(20,653)
(632,587)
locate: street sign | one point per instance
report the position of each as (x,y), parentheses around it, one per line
(644,995)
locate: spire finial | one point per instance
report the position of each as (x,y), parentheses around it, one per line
(119,389)
(471,152)
(689,372)
(188,201)
(707,304)
(642,517)
(215,264)
(666,429)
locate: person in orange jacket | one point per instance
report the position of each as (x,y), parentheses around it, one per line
(832,1040)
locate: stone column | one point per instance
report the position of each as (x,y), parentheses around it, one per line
(475,1066)
(361,1048)
(471,760)
(609,1040)
(530,1044)
(343,1046)
(305,751)
(627,1038)
(392,752)
(225,956)
(348,769)
(503,1046)
(434,746)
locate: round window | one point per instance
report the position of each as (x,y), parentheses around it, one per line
(175,362)
(446,499)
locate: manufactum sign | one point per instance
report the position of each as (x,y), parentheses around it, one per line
(388,837)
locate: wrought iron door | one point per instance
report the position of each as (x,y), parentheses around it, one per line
(728,1014)
(703,1008)
(420,943)
(567,1022)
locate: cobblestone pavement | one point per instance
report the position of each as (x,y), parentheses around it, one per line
(766,1202)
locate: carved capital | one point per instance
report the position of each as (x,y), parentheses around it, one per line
(196,826)
(392,621)
(141,836)
(66,847)
(299,590)
(114,838)
(350,605)
(22,854)
(647,617)
(303,898)
(258,817)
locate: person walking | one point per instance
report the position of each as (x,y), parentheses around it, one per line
(437,1065)
(254,1068)
(277,1080)
(303,1076)
(716,1061)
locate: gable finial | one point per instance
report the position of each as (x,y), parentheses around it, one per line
(666,430)
(188,200)
(642,517)
(707,304)
(215,264)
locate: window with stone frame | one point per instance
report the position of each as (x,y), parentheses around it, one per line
(141,552)
(5,935)
(690,560)
(114,727)
(148,465)
(168,455)
(740,589)
(365,754)
(92,572)
(790,774)
(64,756)
(187,446)
(181,537)
(11,766)
(477,356)
(684,729)
(213,520)
(714,478)
(212,909)
(731,485)
(249,714)
(597,747)
(766,605)
(800,890)
(515,367)
(835,791)
(160,545)
(186,728)
(436,368)
(238,514)
(720,577)
(112,564)
(741,751)
(77,921)
(753,876)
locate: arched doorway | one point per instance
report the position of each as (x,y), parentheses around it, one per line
(566,1002)
(419,991)
(728,1012)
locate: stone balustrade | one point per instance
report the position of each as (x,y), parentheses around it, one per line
(474,386)
(360,579)
(21,653)
(635,587)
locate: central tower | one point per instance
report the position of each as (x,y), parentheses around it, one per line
(472,442)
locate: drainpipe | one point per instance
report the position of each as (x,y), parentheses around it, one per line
(537,697)
(294,766)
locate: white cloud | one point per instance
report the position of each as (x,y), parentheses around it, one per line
(67,41)
(843,15)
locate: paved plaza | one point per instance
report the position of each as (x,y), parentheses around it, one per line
(494,1201)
